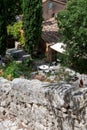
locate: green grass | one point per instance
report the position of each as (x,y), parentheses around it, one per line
(15,70)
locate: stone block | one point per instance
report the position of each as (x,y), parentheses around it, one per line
(16,54)
(42,105)
(26,57)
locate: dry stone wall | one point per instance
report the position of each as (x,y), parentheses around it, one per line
(43,106)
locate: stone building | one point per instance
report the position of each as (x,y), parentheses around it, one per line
(50,34)
(49,37)
(52,7)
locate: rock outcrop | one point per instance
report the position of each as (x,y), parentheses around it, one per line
(43,106)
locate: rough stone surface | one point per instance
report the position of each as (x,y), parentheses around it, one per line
(35,105)
(15,53)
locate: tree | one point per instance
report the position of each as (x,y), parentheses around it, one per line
(32,23)
(3,31)
(13,8)
(72,23)
(8,11)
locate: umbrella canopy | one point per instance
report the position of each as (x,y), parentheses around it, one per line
(59,47)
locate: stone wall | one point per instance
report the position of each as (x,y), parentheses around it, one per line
(51,8)
(44,106)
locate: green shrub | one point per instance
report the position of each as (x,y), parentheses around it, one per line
(14,30)
(72,23)
(15,70)
(12,70)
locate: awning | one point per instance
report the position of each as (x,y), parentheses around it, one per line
(59,47)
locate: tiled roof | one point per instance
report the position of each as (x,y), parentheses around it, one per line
(50,31)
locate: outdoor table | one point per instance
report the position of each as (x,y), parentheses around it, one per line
(51,67)
(44,67)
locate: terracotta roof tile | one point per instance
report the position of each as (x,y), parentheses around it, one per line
(50,31)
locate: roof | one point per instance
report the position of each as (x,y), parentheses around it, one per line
(50,31)
(59,47)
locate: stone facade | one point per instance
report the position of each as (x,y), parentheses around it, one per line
(52,7)
(35,105)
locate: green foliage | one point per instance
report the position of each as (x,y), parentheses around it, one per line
(81,65)
(15,70)
(32,23)
(3,32)
(8,11)
(14,30)
(72,23)
(13,8)
(22,40)
(12,69)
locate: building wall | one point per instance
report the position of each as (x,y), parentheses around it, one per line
(50,8)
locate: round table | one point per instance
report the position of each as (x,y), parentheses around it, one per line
(44,67)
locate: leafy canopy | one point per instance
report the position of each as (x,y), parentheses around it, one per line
(72,23)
